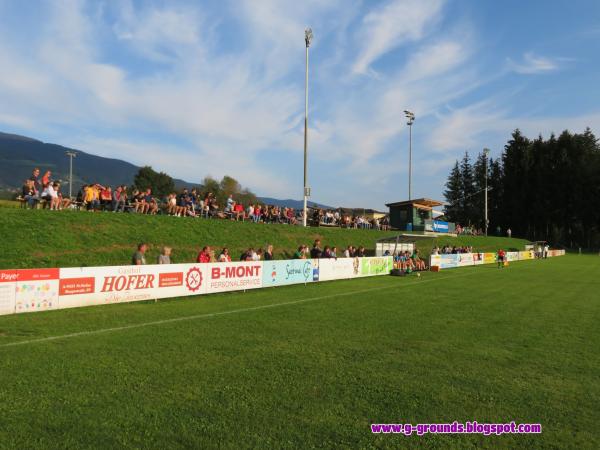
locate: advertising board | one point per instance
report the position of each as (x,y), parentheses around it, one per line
(293,271)
(234,276)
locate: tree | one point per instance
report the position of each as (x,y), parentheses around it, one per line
(467,178)
(453,194)
(160,183)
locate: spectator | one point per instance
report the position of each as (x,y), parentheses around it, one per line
(316,251)
(333,252)
(509,232)
(361,252)
(347,252)
(224,256)
(268,256)
(35,175)
(63,202)
(299,254)
(230,204)
(46,179)
(119,199)
(165,256)
(326,252)
(139,257)
(28,193)
(238,211)
(204,255)
(106,198)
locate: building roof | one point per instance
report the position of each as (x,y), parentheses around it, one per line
(425,203)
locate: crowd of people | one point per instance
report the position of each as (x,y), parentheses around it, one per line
(208,255)
(451,250)
(187,203)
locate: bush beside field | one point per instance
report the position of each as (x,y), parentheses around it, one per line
(42,238)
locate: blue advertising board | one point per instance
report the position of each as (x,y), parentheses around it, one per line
(449,261)
(277,273)
(440,226)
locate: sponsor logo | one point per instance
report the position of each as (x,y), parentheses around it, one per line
(193,279)
(235,272)
(170,279)
(128,282)
(72,286)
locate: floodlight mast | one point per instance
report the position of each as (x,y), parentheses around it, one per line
(308,36)
(411,118)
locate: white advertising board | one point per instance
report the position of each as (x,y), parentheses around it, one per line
(338,269)
(234,276)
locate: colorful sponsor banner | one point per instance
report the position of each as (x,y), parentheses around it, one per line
(489,258)
(36,290)
(338,269)
(435,260)
(376,266)
(293,271)
(477,258)
(464,259)
(8,286)
(86,286)
(234,276)
(448,261)
(512,256)
(527,254)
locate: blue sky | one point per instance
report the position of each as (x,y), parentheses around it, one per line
(199,88)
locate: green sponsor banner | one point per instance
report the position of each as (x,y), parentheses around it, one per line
(376,266)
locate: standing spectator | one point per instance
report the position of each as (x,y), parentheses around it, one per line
(118,200)
(46,179)
(35,179)
(299,254)
(230,204)
(546,250)
(204,255)
(361,252)
(333,252)
(165,256)
(268,256)
(509,232)
(316,251)
(139,257)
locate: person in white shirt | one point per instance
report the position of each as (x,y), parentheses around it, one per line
(50,194)
(546,249)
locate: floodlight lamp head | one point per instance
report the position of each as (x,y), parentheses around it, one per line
(308,36)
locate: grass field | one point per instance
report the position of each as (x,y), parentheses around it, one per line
(42,238)
(314,366)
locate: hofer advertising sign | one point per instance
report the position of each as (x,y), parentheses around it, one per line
(118,284)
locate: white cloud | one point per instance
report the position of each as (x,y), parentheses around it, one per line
(388,27)
(534,64)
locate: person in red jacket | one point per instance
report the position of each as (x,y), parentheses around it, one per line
(501,258)
(204,255)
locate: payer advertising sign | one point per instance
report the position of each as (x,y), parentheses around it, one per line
(36,290)
(293,271)
(338,269)
(8,286)
(234,276)
(102,285)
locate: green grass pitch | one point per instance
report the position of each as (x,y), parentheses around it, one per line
(314,366)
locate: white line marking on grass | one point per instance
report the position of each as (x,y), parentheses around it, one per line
(224,313)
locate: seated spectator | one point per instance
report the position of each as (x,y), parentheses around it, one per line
(230,204)
(106,197)
(326,252)
(361,252)
(150,201)
(28,193)
(204,255)
(63,202)
(165,256)
(224,256)
(238,212)
(51,196)
(119,199)
(333,253)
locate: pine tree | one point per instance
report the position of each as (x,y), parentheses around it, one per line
(453,194)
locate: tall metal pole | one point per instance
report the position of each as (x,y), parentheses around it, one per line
(307,38)
(410,160)
(411,118)
(486,153)
(71,155)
